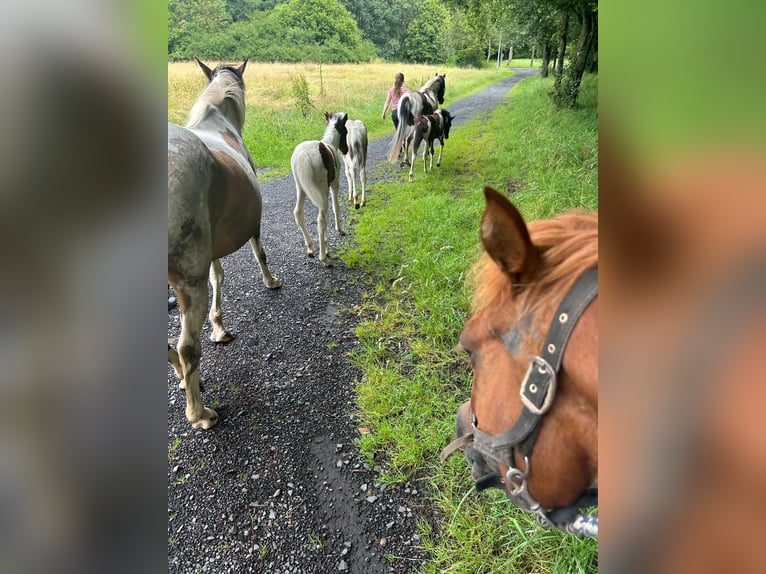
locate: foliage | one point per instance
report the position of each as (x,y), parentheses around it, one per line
(385,23)
(427,33)
(190,19)
(302,94)
(300,30)
(320,20)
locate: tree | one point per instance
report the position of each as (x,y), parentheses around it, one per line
(427,33)
(566,90)
(188,20)
(322,20)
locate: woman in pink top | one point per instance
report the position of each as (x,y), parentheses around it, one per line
(394,94)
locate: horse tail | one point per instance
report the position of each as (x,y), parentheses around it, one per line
(401,129)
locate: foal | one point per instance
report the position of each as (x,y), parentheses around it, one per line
(316,169)
(429,128)
(356,159)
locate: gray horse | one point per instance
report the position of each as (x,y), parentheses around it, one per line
(214,207)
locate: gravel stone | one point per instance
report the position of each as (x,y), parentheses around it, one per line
(284,391)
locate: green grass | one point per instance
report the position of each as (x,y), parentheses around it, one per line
(274,125)
(417,242)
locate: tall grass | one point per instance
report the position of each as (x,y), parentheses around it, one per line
(417,241)
(274,124)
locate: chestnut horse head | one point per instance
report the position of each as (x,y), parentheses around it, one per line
(531,426)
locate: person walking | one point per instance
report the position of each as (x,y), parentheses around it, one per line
(395,93)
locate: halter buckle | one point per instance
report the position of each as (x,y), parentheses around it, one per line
(543,367)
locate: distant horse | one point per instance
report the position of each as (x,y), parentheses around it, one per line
(316,170)
(430,128)
(214,207)
(411,107)
(531,426)
(356,160)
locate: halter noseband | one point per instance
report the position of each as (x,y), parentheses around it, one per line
(537,392)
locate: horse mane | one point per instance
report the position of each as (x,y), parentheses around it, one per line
(331,122)
(430,83)
(568,245)
(221,88)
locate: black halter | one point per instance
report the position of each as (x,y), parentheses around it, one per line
(537,392)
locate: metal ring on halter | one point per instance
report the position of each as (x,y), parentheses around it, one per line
(514,474)
(543,367)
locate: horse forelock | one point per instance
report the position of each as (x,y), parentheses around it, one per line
(568,245)
(226,84)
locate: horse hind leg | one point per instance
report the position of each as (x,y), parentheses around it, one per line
(441,149)
(363,179)
(334,190)
(299,215)
(271,281)
(219,334)
(189,351)
(350,169)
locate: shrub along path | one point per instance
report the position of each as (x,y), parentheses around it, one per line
(279,485)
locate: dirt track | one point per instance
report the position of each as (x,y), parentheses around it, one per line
(278,485)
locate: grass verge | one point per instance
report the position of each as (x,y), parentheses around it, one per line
(274,120)
(417,241)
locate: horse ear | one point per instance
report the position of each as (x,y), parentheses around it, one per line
(241,69)
(208,72)
(345,118)
(326,117)
(505,236)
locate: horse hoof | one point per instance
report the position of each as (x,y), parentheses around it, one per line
(310,253)
(222,339)
(208,419)
(356,206)
(275,283)
(327,262)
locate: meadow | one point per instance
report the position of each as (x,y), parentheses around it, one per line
(416,243)
(274,121)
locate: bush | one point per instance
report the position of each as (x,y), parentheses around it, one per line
(472,57)
(299,87)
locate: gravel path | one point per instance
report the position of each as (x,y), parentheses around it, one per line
(279,485)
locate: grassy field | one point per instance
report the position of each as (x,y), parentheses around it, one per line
(416,242)
(274,125)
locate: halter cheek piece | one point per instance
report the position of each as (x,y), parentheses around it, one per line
(537,392)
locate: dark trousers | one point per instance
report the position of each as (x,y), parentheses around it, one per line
(395,118)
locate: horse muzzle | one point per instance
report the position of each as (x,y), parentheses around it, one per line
(483,474)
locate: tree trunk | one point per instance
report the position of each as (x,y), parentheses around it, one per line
(565,94)
(593,52)
(546,59)
(532,59)
(563,30)
(489,48)
(510,54)
(499,50)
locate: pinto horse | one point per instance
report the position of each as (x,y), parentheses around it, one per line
(214,207)
(356,160)
(531,425)
(411,107)
(429,129)
(316,170)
